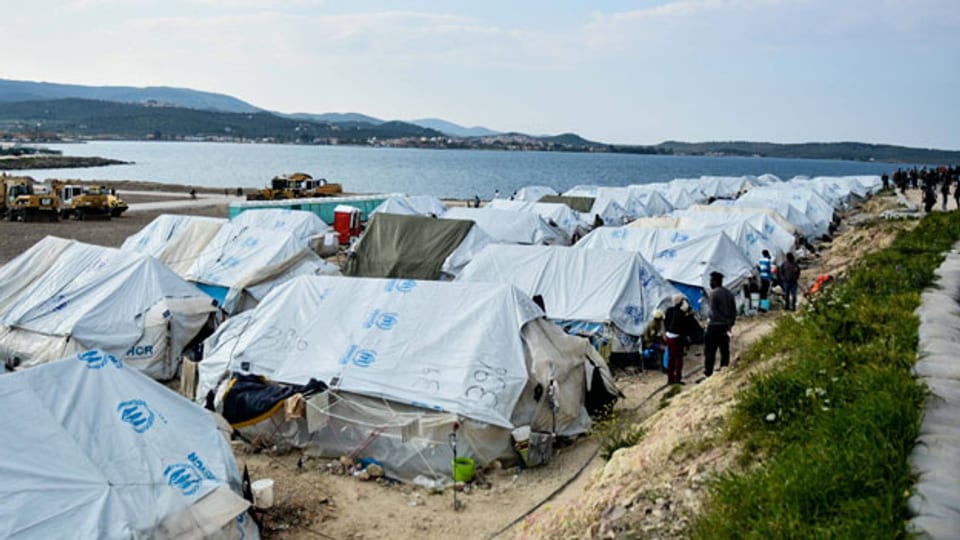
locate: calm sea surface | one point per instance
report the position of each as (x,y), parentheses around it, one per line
(444,173)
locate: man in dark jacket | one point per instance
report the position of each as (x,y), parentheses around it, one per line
(790,275)
(723,315)
(677,324)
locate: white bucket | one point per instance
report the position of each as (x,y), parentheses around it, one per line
(262,492)
(754,300)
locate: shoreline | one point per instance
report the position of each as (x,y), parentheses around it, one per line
(27,163)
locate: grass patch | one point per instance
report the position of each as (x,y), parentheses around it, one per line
(835,425)
(665,398)
(617,430)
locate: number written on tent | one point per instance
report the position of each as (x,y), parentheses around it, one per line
(284,340)
(489,382)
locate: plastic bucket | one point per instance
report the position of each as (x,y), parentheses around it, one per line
(262,492)
(463,469)
(765,304)
(754,300)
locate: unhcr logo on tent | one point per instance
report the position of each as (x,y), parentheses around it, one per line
(382,320)
(400,285)
(97,359)
(137,413)
(358,357)
(183,476)
(666,254)
(635,313)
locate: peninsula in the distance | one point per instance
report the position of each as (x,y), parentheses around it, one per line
(37,112)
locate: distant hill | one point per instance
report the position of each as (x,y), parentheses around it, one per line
(90,118)
(455,130)
(853,151)
(338,118)
(14,91)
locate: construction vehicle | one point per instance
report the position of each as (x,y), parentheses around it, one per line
(296,186)
(116,204)
(83,202)
(21,202)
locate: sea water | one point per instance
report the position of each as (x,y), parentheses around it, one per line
(443,173)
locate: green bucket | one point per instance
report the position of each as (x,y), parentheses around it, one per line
(463,469)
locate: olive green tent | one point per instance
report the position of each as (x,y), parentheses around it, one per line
(410,247)
(584,205)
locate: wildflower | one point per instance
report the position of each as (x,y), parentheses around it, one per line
(771,417)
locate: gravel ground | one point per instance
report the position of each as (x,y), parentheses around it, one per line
(17,237)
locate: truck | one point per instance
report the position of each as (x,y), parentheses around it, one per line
(295,186)
(22,202)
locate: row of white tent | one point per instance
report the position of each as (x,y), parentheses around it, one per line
(414,357)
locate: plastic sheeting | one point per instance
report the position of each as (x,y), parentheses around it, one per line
(240,257)
(511,226)
(410,440)
(935,459)
(453,347)
(587,285)
(103,452)
(412,205)
(566,218)
(298,223)
(678,256)
(85,296)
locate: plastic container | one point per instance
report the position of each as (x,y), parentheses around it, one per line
(262,492)
(754,300)
(463,468)
(765,304)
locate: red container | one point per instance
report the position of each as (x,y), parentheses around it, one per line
(346,221)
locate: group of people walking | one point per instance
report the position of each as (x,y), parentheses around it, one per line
(945,180)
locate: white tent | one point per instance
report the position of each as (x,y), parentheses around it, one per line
(598,286)
(657,205)
(300,224)
(533,193)
(806,200)
(511,226)
(474,350)
(62,296)
(242,263)
(569,220)
(412,205)
(175,240)
(684,260)
(766,228)
(95,450)
(609,211)
(623,196)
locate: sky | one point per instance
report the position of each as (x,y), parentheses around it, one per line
(617,71)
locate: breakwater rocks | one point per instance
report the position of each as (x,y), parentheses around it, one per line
(20,163)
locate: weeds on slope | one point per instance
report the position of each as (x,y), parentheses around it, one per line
(828,435)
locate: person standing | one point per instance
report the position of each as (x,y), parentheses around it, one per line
(677,328)
(944,191)
(723,315)
(790,276)
(956,193)
(765,265)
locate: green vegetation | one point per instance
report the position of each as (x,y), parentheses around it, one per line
(853,151)
(84,117)
(616,430)
(828,435)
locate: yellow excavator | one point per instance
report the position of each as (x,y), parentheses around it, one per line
(296,186)
(22,203)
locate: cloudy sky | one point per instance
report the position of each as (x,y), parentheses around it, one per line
(639,71)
